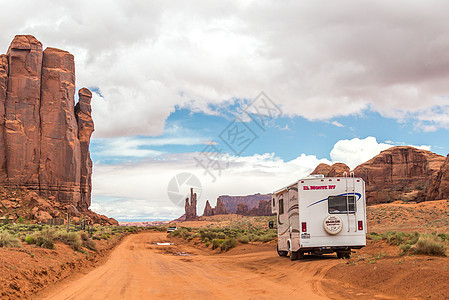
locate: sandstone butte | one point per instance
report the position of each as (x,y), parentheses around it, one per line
(44,137)
(399,173)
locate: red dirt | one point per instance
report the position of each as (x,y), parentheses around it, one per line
(29,269)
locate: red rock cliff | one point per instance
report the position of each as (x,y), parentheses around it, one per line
(44,145)
(399,173)
(231,202)
(439,187)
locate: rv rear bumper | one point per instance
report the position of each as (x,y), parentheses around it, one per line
(329,249)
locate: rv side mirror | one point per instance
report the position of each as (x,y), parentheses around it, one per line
(271,224)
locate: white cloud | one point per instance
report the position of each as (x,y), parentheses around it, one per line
(316,59)
(338,124)
(357,151)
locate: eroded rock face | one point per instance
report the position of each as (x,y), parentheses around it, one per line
(439,188)
(83,113)
(44,145)
(3,88)
(22,112)
(190,206)
(231,202)
(336,170)
(219,209)
(263,209)
(242,209)
(208,210)
(399,173)
(60,156)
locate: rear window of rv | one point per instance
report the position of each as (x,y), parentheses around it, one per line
(337,204)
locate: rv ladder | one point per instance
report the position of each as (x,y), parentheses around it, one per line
(347,199)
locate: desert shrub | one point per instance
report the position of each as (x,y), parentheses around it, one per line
(8,240)
(73,239)
(30,240)
(243,239)
(395,238)
(207,244)
(429,246)
(183,233)
(84,236)
(90,244)
(373,236)
(216,243)
(46,238)
(269,236)
(228,244)
(20,220)
(443,236)
(221,235)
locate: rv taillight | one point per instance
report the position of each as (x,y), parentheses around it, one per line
(304,226)
(360,225)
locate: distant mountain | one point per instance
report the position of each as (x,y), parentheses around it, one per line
(251,201)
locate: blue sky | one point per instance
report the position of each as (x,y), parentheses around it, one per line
(287,137)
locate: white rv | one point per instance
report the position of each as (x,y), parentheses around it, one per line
(320,215)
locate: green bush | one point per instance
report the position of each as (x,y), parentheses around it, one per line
(30,240)
(8,240)
(216,243)
(46,238)
(269,236)
(228,244)
(429,246)
(73,239)
(244,239)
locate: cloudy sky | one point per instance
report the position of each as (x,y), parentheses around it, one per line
(172,82)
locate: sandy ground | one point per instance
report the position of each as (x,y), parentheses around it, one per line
(140,269)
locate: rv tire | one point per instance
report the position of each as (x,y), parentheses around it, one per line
(281,253)
(293,255)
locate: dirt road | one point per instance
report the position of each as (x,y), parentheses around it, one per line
(140,269)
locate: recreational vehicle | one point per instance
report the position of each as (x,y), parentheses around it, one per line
(321,215)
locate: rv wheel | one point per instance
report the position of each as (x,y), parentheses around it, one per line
(348,255)
(293,255)
(281,253)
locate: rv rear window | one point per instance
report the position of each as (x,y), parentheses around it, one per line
(337,204)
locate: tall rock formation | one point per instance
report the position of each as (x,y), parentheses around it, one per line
(22,112)
(44,146)
(60,155)
(399,173)
(83,113)
(190,207)
(4,66)
(208,210)
(219,209)
(439,187)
